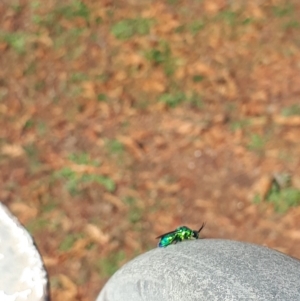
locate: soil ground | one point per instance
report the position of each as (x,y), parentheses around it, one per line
(121,120)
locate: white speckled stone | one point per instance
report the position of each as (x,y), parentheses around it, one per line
(206,269)
(22,273)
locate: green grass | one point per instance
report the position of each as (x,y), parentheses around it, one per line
(48,207)
(103,77)
(162,55)
(39,85)
(107,182)
(198,78)
(109,265)
(195,101)
(69,241)
(196,26)
(256,199)
(37,224)
(172,100)
(257,142)
(30,69)
(70,11)
(69,38)
(248,21)
(172,2)
(239,125)
(101,97)
(15,40)
(74,180)
(281,194)
(18,8)
(78,77)
(32,154)
(283,10)
(284,199)
(127,28)
(74,10)
(83,159)
(180,28)
(135,212)
(291,110)
(135,216)
(157,56)
(292,24)
(230,17)
(29,124)
(42,128)
(114,146)
(71,178)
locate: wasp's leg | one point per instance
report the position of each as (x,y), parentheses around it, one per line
(176,240)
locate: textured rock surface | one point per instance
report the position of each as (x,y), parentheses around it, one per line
(208,269)
(22,274)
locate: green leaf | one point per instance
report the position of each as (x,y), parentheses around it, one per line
(127,28)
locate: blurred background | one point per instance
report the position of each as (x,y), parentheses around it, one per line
(121,120)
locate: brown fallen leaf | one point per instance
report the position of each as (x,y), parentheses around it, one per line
(132,146)
(262,186)
(213,7)
(290,120)
(23,212)
(117,202)
(96,234)
(68,290)
(50,261)
(293,234)
(12,150)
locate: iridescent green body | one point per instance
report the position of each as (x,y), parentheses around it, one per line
(180,234)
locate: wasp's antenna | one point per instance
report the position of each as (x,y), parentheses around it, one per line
(201,227)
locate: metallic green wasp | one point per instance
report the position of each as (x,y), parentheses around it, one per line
(180,234)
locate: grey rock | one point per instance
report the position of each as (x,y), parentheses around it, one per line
(22,273)
(206,269)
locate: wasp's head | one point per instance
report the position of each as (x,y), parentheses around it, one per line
(195,234)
